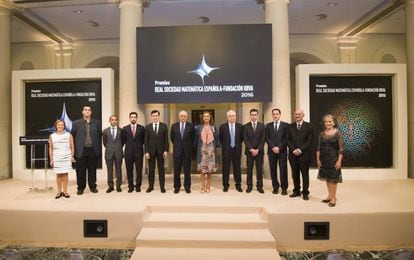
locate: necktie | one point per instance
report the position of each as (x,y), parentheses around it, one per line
(232,136)
(156,129)
(254,127)
(182,130)
(299,126)
(276,126)
(133,131)
(113,133)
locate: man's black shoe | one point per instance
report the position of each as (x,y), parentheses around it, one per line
(80,192)
(94,190)
(260,190)
(239,189)
(138,189)
(275,191)
(130,189)
(163,190)
(295,194)
(109,190)
(249,189)
(118,189)
(149,190)
(225,189)
(176,191)
(284,192)
(187,190)
(305,197)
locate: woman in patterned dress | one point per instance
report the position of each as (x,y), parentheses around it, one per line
(61,152)
(206,141)
(329,157)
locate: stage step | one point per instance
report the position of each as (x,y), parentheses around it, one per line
(150,253)
(205,237)
(205,217)
(205,233)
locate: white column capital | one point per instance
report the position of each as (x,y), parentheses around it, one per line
(347,42)
(137,3)
(265,2)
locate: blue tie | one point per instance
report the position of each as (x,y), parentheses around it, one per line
(232,136)
(182,130)
(113,133)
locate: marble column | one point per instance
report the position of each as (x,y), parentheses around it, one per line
(409,28)
(130,18)
(347,49)
(5,89)
(276,13)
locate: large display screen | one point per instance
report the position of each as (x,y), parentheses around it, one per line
(45,102)
(362,106)
(204,64)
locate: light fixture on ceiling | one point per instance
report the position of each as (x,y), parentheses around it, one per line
(321,17)
(332,4)
(77,11)
(203,19)
(93,23)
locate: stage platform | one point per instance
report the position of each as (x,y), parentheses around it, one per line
(369,215)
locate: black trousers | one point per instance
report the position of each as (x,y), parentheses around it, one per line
(185,163)
(259,170)
(157,157)
(234,159)
(300,168)
(136,160)
(87,163)
(118,171)
(273,160)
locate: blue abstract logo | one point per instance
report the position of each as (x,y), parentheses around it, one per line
(203,69)
(65,118)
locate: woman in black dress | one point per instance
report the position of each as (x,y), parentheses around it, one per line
(329,157)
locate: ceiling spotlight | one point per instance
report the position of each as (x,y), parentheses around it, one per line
(203,19)
(77,11)
(332,4)
(321,16)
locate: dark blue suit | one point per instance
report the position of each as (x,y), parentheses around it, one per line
(231,154)
(277,138)
(182,148)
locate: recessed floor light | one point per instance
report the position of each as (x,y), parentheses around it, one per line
(77,11)
(332,4)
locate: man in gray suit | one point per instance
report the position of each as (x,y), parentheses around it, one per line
(112,141)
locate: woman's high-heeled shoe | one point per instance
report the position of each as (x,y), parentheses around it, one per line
(59,195)
(326,200)
(332,204)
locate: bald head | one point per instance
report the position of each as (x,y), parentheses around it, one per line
(182,116)
(298,115)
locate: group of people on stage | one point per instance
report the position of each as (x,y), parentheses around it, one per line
(134,142)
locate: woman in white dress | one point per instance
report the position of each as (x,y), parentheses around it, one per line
(61,152)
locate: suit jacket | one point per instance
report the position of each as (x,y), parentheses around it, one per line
(79,134)
(156,142)
(254,139)
(134,146)
(224,136)
(185,144)
(277,137)
(112,147)
(301,139)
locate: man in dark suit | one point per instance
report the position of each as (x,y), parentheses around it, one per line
(112,141)
(87,135)
(156,149)
(133,137)
(182,137)
(299,138)
(231,139)
(276,138)
(254,139)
